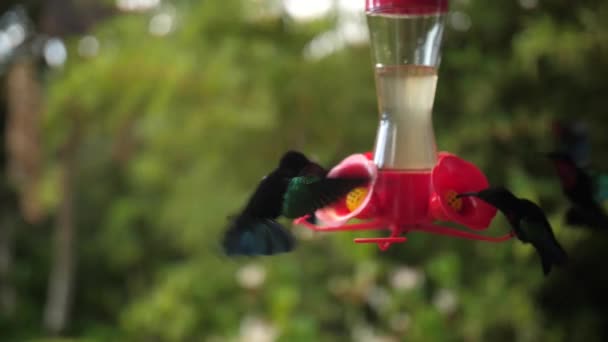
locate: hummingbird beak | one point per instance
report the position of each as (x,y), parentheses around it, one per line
(466,194)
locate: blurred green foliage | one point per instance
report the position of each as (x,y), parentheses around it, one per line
(178,129)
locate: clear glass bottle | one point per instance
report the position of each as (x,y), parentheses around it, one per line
(405,39)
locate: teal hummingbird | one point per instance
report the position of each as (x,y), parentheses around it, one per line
(297,187)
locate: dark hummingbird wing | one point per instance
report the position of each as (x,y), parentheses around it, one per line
(592,217)
(254,236)
(576,217)
(305,195)
(313,169)
(267,200)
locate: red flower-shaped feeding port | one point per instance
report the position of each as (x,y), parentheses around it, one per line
(450,177)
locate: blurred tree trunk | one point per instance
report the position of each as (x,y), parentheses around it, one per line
(61,278)
(23,135)
(7,289)
(23,164)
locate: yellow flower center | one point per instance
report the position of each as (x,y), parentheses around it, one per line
(355,198)
(453,201)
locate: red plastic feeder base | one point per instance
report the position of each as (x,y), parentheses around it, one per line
(383,243)
(404,201)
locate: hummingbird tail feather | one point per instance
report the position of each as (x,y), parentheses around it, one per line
(253,236)
(575,218)
(546,263)
(593,218)
(552,254)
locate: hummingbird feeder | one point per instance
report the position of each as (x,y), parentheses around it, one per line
(412,187)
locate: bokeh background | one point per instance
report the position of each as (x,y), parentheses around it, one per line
(131,129)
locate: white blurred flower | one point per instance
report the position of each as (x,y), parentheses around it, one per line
(55,52)
(137,5)
(460,21)
(5,45)
(362,333)
(307,10)
(254,329)
(338,286)
(88,46)
(251,276)
(365,333)
(406,278)
(16,34)
(400,322)
(350,28)
(445,301)
(384,338)
(378,297)
(528,4)
(161,24)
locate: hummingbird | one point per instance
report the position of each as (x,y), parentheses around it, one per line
(297,187)
(528,222)
(584,191)
(572,138)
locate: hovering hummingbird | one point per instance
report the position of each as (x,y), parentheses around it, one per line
(584,191)
(295,188)
(529,224)
(572,138)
